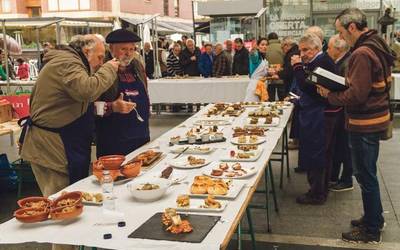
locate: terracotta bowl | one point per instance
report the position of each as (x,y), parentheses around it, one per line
(59,214)
(76,196)
(97,165)
(112,162)
(99,174)
(42,215)
(24,203)
(132,169)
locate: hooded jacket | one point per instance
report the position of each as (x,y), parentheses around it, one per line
(369,78)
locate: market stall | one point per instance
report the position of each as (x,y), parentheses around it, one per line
(92,225)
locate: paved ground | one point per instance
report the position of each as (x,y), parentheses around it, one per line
(294,227)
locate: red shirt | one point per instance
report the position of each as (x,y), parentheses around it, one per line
(23,71)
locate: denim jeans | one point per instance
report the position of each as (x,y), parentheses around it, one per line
(364,149)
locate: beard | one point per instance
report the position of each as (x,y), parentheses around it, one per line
(125,61)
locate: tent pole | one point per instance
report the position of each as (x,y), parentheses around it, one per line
(6,55)
(38,47)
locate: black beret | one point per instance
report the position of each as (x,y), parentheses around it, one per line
(122,36)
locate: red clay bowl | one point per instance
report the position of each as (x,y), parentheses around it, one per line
(112,162)
(32,202)
(66,212)
(23,214)
(76,198)
(132,169)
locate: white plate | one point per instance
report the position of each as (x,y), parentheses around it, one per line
(226,155)
(212,122)
(250,171)
(192,150)
(261,122)
(195,206)
(234,189)
(260,140)
(176,176)
(183,163)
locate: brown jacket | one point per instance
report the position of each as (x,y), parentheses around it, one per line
(220,65)
(62,94)
(368,77)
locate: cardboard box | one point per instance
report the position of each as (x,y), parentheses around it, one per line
(5,111)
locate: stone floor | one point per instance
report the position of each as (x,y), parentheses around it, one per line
(294,227)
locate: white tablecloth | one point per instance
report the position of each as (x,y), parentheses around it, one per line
(82,231)
(198,90)
(395,90)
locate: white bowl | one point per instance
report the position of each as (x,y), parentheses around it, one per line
(148,195)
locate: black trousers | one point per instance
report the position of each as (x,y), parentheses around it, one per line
(280,88)
(319,176)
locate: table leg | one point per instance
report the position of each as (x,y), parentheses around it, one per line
(271,176)
(239,236)
(250,222)
(287,152)
(282,160)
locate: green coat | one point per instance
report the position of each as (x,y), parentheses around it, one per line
(61,94)
(274,52)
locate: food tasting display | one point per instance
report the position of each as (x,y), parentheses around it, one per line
(209,204)
(194,150)
(148,158)
(220,188)
(239,131)
(199,134)
(225,109)
(239,155)
(248,140)
(189,162)
(229,170)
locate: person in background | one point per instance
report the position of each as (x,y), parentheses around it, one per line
(275,56)
(149,60)
(221,64)
(240,59)
(338,50)
(190,57)
(162,59)
(23,69)
(229,53)
(119,131)
(396,49)
(315,130)
(203,48)
(258,66)
(174,66)
(45,47)
(184,39)
(3,75)
(206,61)
(11,72)
(320,33)
(366,102)
(290,48)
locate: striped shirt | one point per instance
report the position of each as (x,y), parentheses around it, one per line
(174,66)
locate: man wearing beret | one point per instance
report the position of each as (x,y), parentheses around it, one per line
(120,131)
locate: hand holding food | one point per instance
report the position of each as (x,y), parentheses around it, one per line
(121,106)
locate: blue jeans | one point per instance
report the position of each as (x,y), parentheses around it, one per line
(364,149)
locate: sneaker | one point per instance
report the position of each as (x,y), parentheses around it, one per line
(299,170)
(307,199)
(340,187)
(360,235)
(360,223)
(332,184)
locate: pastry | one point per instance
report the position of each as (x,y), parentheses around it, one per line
(166,173)
(195,161)
(217,172)
(253,139)
(242,139)
(268,120)
(223,166)
(198,188)
(236,166)
(183,201)
(254,120)
(217,189)
(210,202)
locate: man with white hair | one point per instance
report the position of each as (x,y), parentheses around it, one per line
(189,58)
(314,131)
(316,30)
(220,65)
(338,50)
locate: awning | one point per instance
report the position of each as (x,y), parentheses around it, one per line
(163,26)
(45,21)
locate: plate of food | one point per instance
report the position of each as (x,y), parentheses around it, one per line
(230,171)
(148,157)
(189,162)
(251,104)
(174,176)
(263,112)
(238,131)
(209,204)
(202,186)
(92,198)
(262,121)
(241,155)
(248,140)
(195,150)
(213,122)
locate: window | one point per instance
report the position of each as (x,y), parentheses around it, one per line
(166,8)
(66,5)
(176,8)
(6,6)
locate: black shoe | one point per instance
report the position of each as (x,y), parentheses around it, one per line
(340,187)
(360,223)
(360,235)
(332,184)
(299,170)
(307,199)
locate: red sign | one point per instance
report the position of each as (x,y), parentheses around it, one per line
(20,104)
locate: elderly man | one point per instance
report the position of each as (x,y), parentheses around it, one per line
(120,131)
(229,53)
(189,58)
(314,131)
(148,60)
(367,114)
(58,142)
(220,65)
(174,65)
(240,59)
(316,30)
(338,50)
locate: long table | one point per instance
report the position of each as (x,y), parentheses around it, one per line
(198,90)
(83,230)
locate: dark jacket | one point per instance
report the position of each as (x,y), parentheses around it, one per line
(190,67)
(149,62)
(368,77)
(206,64)
(287,72)
(220,65)
(241,62)
(342,64)
(274,53)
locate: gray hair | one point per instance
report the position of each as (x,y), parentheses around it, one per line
(338,43)
(311,39)
(219,45)
(80,42)
(352,15)
(189,40)
(316,30)
(288,40)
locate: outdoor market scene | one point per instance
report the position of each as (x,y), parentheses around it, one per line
(199,124)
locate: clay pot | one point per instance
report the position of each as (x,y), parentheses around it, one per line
(58,214)
(42,215)
(132,169)
(22,203)
(77,196)
(112,162)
